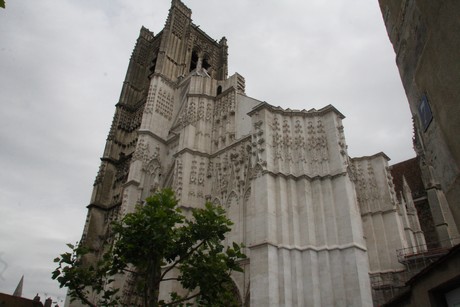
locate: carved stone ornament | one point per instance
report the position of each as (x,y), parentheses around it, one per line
(150,100)
(258,143)
(150,162)
(178,178)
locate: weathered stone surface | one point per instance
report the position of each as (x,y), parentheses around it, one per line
(315,222)
(426,38)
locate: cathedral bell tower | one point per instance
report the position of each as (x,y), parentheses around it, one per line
(305,211)
(184,48)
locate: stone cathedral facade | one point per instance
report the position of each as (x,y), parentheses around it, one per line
(320,228)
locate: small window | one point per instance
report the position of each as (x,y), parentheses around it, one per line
(219,90)
(424,112)
(152,66)
(194,61)
(206,64)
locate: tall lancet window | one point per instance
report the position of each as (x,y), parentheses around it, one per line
(194,61)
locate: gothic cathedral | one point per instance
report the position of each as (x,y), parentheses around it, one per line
(320,228)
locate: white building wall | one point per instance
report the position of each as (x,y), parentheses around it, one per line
(304,219)
(314,222)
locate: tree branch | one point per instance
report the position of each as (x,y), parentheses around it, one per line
(132,272)
(181,300)
(83,298)
(166,279)
(179,260)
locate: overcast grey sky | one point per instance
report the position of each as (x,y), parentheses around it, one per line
(62,64)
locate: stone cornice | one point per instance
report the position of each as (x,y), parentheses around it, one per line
(193,152)
(221,95)
(158,138)
(386,271)
(379,212)
(226,92)
(102,207)
(379,154)
(153,135)
(234,144)
(305,176)
(215,154)
(310,247)
(172,138)
(109,160)
(289,112)
(202,96)
(131,182)
(116,161)
(209,38)
(171,83)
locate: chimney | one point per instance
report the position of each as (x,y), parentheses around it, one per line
(48,302)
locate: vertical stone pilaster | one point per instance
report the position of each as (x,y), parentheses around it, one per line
(442,217)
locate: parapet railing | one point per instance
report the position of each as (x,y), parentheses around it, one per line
(427,251)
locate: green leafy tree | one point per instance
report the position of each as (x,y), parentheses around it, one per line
(149,244)
(2,3)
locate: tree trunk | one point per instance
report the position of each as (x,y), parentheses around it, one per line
(153,284)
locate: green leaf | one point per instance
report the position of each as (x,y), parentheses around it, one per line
(150,241)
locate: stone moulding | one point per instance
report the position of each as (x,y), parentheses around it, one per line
(102,207)
(386,271)
(310,247)
(131,182)
(153,135)
(303,113)
(304,176)
(379,212)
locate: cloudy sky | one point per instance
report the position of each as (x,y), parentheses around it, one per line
(62,64)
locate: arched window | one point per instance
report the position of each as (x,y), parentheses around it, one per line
(205,63)
(219,90)
(194,61)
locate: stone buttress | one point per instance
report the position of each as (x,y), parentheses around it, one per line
(309,216)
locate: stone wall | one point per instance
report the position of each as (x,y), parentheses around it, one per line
(426,38)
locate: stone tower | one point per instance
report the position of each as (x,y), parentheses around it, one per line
(426,38)
(310,217)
